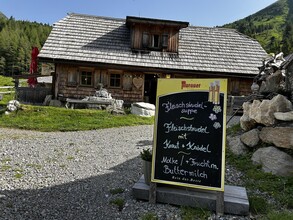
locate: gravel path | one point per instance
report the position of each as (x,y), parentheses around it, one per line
(71,175)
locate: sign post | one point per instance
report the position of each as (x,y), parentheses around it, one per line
(190,133)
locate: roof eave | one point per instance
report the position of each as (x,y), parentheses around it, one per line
(146,69)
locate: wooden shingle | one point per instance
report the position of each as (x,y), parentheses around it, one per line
(94,39)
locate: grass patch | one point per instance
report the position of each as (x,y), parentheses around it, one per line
(6,81)
(116,191)
(18,175)
(149,216)
(258,205)
(6,160)
(119,202)
(70,158)
(280,216)
(234,130)
(35,166)
(279,188)
(188,213)
(5,167)
(46,118)
(62,165)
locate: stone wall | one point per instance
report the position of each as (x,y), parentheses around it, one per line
(267,123)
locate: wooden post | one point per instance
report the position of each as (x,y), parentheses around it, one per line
(153,193)
(220,204)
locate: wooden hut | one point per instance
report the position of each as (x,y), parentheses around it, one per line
(127,55)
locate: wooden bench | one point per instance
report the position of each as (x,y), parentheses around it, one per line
(70,103)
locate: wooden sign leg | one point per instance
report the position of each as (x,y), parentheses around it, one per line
(153,193)
(220,204)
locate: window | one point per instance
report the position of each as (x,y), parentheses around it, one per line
(86,78)
(115,80)
(156,41)
(72,79)
(145,40)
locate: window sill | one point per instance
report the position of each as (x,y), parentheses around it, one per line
(71,84)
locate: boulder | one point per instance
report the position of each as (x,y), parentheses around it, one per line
(279,136)
(250,138)
(47,100)
(271,84)
(274,161)
(143,109)
(260,112)
(246,123)
(116,111)
(13,105)
(263,112)
(284,116)
(236,146)
(118,103)
(55,103)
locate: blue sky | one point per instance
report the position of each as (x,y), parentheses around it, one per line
(197,12)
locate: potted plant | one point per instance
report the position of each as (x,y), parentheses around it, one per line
(146,156)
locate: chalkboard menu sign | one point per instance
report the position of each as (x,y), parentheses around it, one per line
(189,134)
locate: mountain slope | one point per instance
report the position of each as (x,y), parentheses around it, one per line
(2,15)
(272,27)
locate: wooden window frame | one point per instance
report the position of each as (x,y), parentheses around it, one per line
(156,39)
(113,76)
(145,40)
(165,40)
(70,76)
(89,73)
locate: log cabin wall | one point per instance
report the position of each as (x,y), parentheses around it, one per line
(142,34)
(129,85)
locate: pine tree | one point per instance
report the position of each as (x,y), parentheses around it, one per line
(16,41)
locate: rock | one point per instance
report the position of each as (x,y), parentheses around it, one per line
(271,84)
(143,109)
(116,111)
(274,161)
(47,100)
(246,123)
(118,103)
(284,116)
(236,146)
(13,105)
(263,112)
(250,138)
(259,112)
(279,136)
(55,103)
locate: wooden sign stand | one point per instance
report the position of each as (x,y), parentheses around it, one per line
(189,142)
(220,204)
(153,193)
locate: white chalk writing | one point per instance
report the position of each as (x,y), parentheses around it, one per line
(171,127)
(176,170)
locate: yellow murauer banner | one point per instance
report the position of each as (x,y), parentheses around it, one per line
(190,133)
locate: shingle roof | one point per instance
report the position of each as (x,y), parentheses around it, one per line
(288,60)
(87,38)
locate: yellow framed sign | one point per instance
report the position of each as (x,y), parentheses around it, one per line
(190,133)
